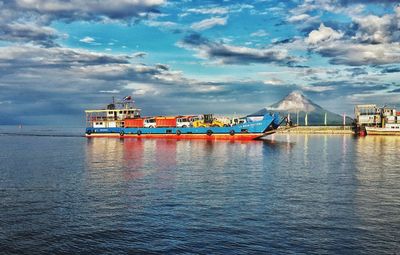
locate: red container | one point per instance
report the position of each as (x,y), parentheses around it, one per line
(165,121)
(134,123)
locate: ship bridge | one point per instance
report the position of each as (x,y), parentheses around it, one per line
(113,116)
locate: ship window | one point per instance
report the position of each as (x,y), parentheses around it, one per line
(120,112)
(109,112)
(124,112)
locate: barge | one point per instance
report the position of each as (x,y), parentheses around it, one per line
(123,120)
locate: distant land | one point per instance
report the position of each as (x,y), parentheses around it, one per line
(296,102)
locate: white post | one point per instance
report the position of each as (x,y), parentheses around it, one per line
(344,120)
(325,120)
(306,119)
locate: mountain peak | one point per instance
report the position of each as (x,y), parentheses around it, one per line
(293,102)
(296,93)
(299,106)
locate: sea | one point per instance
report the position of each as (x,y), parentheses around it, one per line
(62,193)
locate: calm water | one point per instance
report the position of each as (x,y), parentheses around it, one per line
(315,194)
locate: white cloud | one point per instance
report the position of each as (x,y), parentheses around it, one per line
(274,82)
(212,10)
(224,53)
(161,24)
(375,41)
(209,23)
(89,9)
(27,32)
(259,33)
(299,18)
(323,34)
(375,29)
(317,88)
(142,89)
(348,53)
(87,39)
(114,91)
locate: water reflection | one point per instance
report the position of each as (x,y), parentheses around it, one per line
(338,188)
(315,194)
(378,189)
(140,157)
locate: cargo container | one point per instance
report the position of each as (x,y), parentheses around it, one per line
(165,121)
(134,123)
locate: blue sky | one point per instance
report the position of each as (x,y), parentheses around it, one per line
(58,58)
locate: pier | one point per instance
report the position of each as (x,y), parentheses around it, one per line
(317,130)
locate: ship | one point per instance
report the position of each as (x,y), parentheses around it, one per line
(388,129)
(373,120)
(123,120)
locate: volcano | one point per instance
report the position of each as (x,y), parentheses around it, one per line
(296,104)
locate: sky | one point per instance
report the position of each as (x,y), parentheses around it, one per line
(60,57)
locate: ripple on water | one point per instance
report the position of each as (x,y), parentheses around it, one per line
(291,194)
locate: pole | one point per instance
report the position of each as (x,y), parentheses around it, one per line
(325,120)
(297,118)
(344,120)
(306,119)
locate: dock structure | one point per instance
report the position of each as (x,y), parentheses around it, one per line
(370,116)
(316,130)
(367,114)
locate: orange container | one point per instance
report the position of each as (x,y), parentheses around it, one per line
(134,123)
(165,121)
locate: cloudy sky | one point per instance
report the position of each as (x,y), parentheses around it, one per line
(59,57)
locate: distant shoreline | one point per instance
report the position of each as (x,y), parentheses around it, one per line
(316,130)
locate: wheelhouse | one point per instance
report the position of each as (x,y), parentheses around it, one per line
(113,116)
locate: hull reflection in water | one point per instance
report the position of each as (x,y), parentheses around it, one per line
(140,157)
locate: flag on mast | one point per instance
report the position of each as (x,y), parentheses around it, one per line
(127,98)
